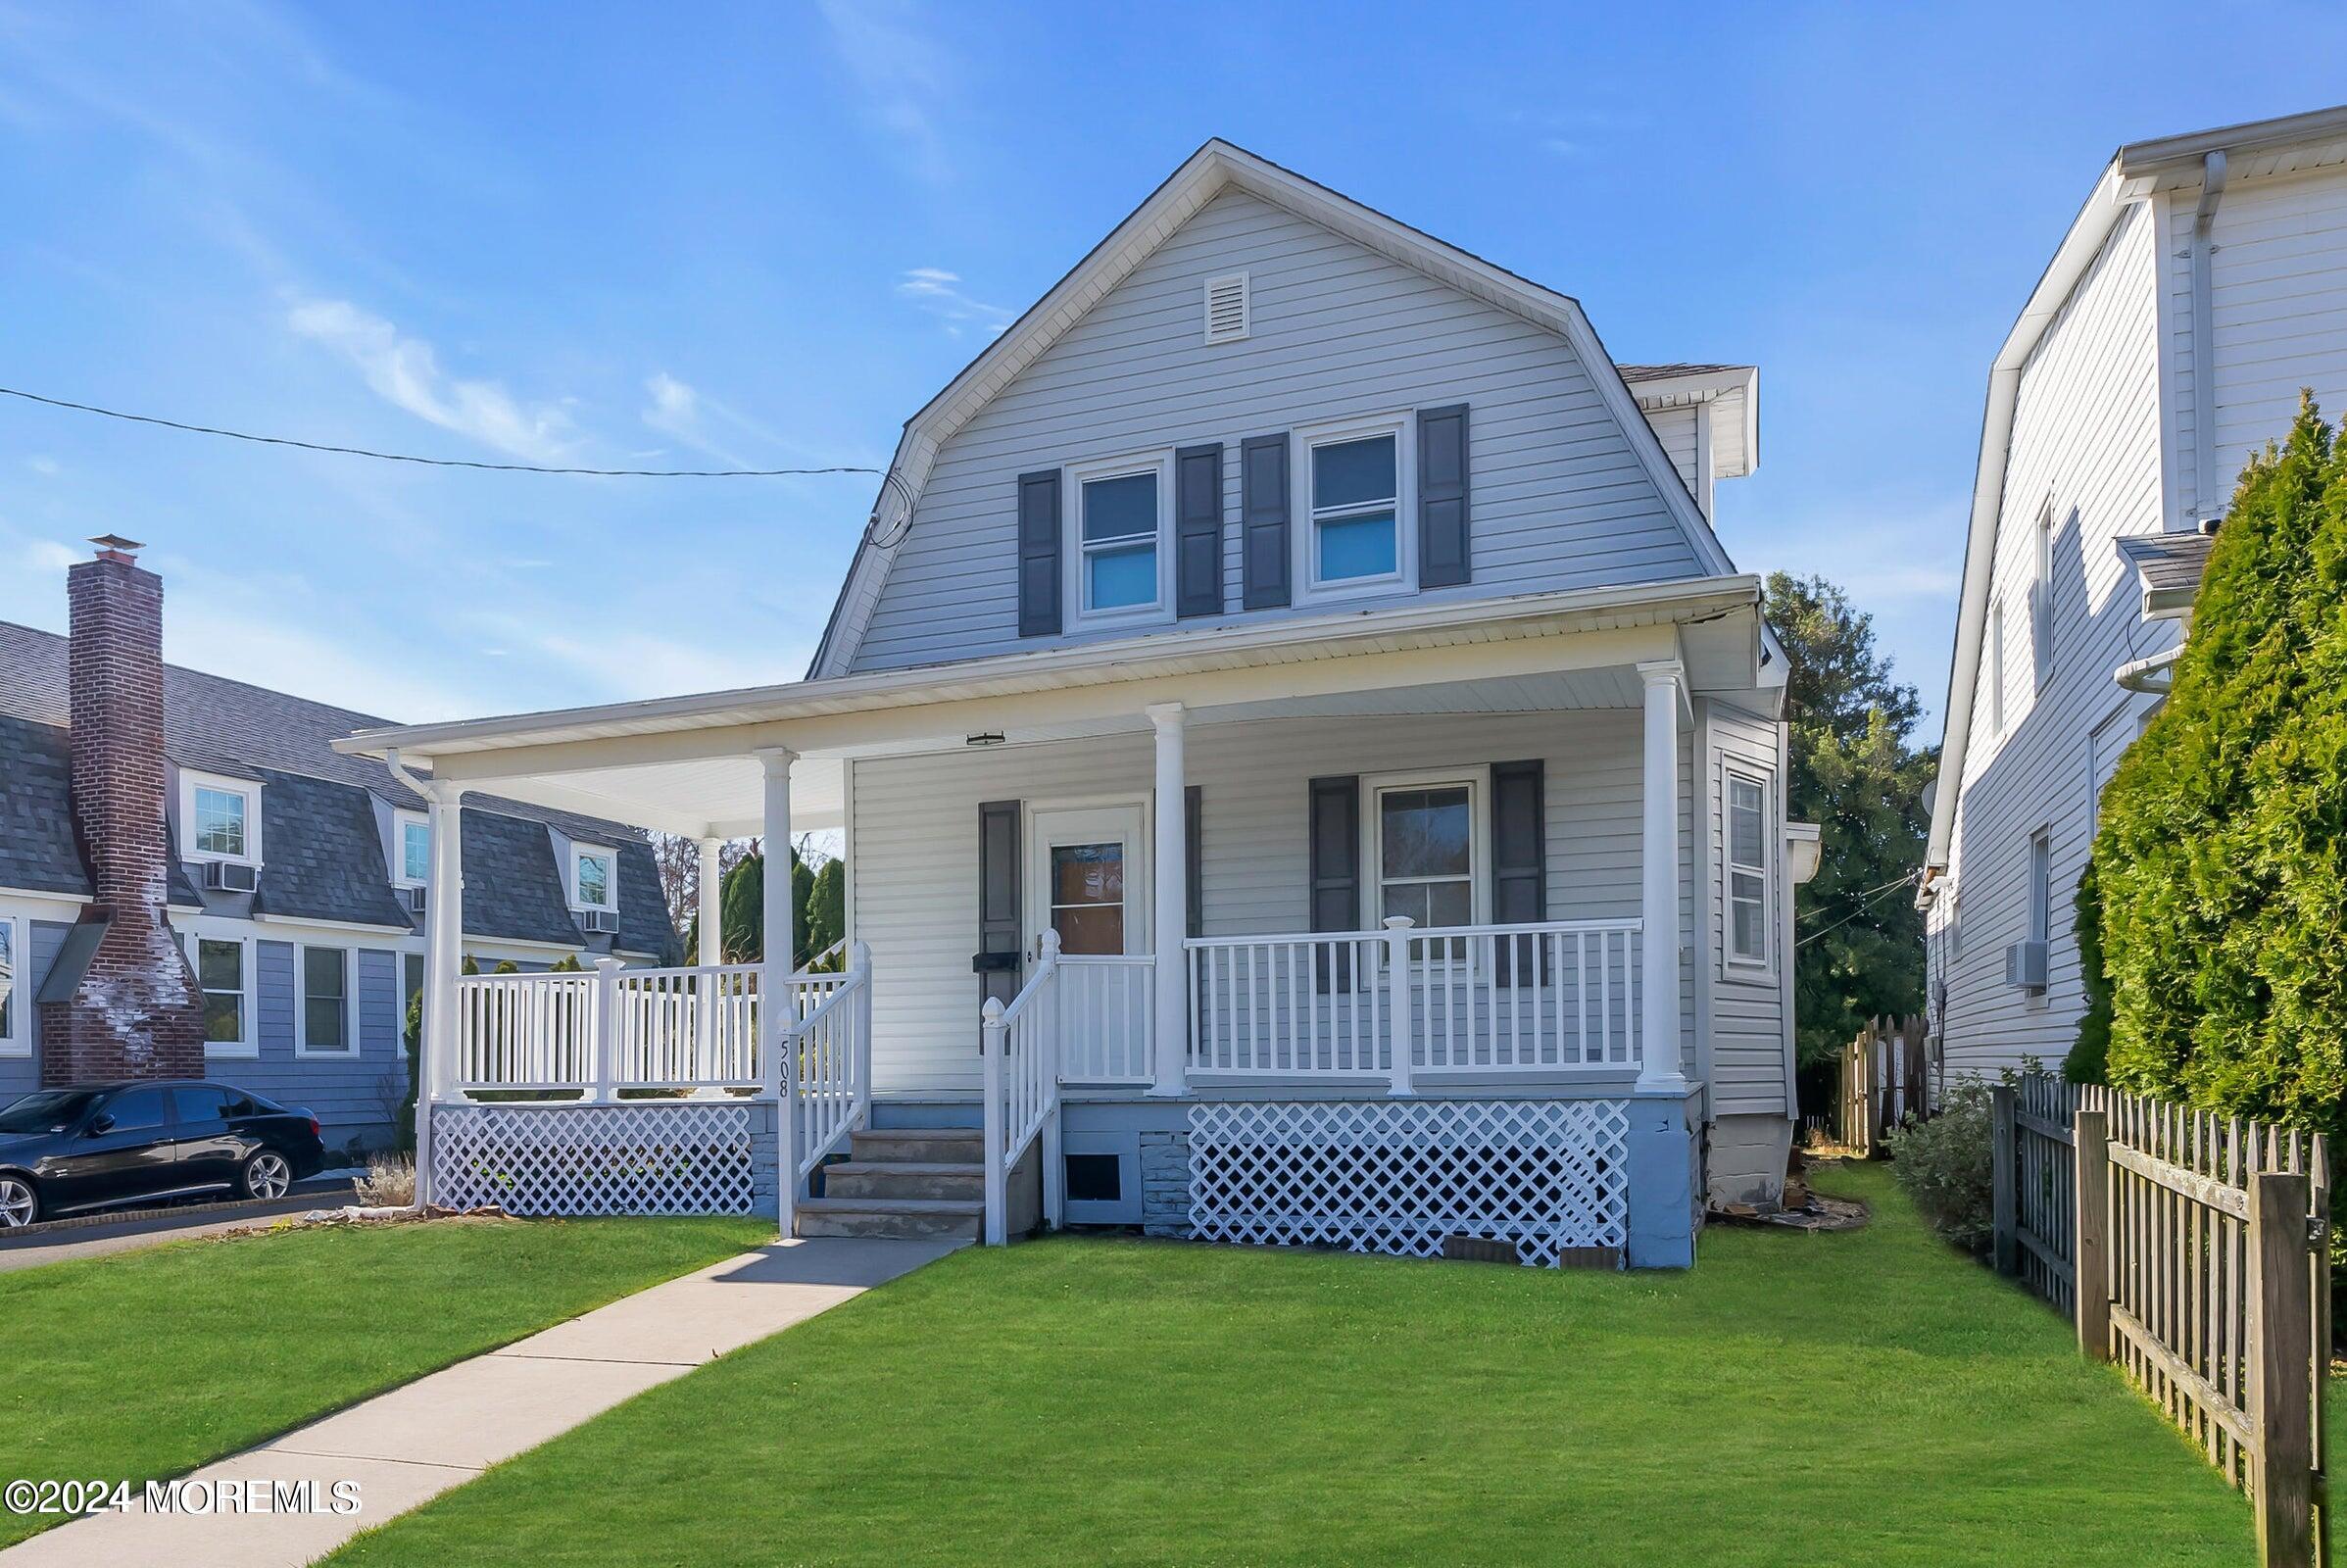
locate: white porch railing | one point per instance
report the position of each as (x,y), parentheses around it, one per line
(830,1050)
(1101,1008)
(1314,1003)
(1022,1072)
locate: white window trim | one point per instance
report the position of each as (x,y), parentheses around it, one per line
(2041,618)
(401,821)
(580,852)
(15,1041)
(1076,476)
(249,1047)
(1305,543)
(1765,964)
(1477,782)
(250,789)
(301,1002)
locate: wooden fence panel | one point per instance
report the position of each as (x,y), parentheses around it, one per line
(2193,1251)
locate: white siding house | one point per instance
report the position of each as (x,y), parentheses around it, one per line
(1290,723)
(2225,248)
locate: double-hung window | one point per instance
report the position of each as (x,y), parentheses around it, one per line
(325,1002)
(1119,559)
(15,998)
(224,972)
(1748,869)
(1354,504)
(412,850)
(591,879)
(1424,850)
(219,819)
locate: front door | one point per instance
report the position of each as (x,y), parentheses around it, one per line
(1087,879)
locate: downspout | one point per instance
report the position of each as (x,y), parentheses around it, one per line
(2155,675)
(2205,503)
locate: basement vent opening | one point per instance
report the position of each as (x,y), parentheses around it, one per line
(1227,317)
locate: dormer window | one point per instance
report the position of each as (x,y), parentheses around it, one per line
(411,849)
(1120,558)
(1355,485)
(219,819)
(592,879)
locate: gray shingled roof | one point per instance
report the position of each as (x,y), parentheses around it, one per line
(36,810)
(324,856)
(2166,561)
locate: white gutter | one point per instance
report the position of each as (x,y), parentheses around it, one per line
(2204,352)
(2155,674)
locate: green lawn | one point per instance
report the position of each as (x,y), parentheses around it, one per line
(148,1363)
(1864,1398)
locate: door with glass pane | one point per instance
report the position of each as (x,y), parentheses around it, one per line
(1087,879)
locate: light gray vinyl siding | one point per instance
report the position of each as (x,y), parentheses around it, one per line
(1558,498)
(914,846)
(20,1074)
(353,1096)
(1675,428)
(2277,286)
(1747,1006)
(2086,441)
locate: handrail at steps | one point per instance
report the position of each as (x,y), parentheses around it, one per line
(1022,1088)
(831,1092)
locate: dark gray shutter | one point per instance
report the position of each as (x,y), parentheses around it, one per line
(1442,555)
(1039,554)
(1519,861)
(1263,520)
(1336,869)
(1194,838)
(1000,933)
(1197,530)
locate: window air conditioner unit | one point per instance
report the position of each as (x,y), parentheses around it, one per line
(414,898)
(2025,965)
(600,922)
(227,876)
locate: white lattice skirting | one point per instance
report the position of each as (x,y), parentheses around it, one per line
(676,1157)
(1398,1176)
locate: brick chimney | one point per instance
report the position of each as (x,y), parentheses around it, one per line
(134,1012)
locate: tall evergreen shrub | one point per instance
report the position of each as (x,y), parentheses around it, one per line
(2222,858)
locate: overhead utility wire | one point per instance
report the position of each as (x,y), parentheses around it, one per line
(444,463)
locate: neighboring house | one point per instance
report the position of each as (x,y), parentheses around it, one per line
(193,881)
(1283,573)
(2200,289)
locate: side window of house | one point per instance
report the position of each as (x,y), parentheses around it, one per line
(1355,511)
(220,970)
(1748,870)
(325,1001)
(1119,516)
(592,879)
(220,822)
(414,851)
(2041,602)
(1996,667)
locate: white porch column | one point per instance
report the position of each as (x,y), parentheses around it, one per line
(443,961)
(1170,885)
(711,887)
(1658,1015)
(776,1016)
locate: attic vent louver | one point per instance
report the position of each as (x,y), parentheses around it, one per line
(1227,319)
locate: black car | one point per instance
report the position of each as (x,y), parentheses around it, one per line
(91,1146)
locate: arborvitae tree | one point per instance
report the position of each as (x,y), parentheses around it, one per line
(2221,857)
(742,909)
(2089,1060)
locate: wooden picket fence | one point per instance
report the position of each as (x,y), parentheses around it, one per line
(1887,1077)
(2193,1251)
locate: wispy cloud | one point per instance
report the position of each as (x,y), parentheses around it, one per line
(901,74)
(404,372)
(941,294)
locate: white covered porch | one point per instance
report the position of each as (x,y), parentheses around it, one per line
(1187,999)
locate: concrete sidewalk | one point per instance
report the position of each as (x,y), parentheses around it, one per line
(418,1441)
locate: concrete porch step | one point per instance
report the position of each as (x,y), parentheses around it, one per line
(905,1178)
(919,1146)
(904,1217)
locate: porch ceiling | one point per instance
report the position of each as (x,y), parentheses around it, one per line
(687,764)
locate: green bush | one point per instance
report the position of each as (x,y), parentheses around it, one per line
(2089,1060)
(1945,1166)
(2222,857)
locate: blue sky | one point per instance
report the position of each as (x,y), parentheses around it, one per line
(761,235)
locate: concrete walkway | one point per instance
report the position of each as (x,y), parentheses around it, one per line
(409,1445)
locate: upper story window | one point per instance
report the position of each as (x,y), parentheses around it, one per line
(411,849)
(1996,667)
(1748,869)
(594,878)
(2041,598)
(1354,482)
(1119,555)
(219,819)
